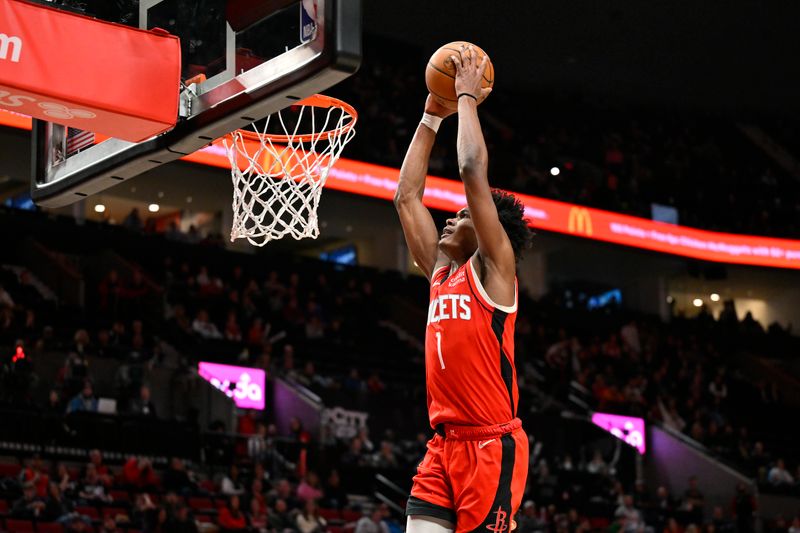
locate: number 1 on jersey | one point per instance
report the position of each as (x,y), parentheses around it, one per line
(439,348)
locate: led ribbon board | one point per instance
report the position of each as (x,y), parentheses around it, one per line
(628,429)
(244,385)
(377,181)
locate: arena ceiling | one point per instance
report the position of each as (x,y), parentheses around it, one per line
(734,57)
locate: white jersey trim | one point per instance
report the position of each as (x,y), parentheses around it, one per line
(435,272)
(482,291)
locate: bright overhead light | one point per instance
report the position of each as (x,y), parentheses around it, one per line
(99,208)
(153,208)
(555,171)
(670,299)
(697,302)
(714,297)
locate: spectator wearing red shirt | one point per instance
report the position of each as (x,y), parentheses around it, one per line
(139,473)
(96,458)
(231,517)
(35,474)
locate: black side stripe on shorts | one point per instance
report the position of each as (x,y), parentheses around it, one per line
(499,518)
(506,371)
(418,507)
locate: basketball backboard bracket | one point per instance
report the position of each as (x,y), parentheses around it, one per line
(222,103)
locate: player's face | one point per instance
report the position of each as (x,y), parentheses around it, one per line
(458,237)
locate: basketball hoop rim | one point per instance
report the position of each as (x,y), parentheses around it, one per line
(318,100)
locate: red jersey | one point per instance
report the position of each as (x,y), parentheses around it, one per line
(469,352)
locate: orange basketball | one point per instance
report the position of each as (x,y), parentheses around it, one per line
(440,74)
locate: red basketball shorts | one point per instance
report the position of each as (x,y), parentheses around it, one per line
(473,477)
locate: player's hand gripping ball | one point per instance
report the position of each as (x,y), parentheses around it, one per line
(477,73)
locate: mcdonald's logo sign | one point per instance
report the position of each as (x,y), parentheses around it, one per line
(580,221)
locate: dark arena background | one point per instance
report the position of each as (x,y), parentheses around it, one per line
(156,377)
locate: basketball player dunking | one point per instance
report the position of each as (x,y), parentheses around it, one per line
(474,472)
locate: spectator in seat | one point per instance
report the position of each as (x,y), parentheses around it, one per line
(597,465)
(528,520)
(109,525)
(309,488)
(96,458)
(673,526)
(182,522)
(231,517)
(719,522)
(258,516)
(778,475)
(373,523)
(279,518)
(257,495)
(176,478)
(231,485)
(139,474)
(744,509)
(144,513)
(232,330)
(57,507)
(630,518)
(35,473)
(92,490)
(663,508)
(309,520)
(259,447)
(717,388)
(203,327)
(30,506)
(693,501)
(335,495)
(78,524)
(143,405)
(283,491)
(354,455)
(385,457)
(64,480)
(83,402)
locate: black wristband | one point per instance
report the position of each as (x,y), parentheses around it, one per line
(468,94)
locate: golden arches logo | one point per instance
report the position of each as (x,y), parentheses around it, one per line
(580,221)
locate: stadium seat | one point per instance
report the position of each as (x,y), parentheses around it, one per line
(49,527)
(9,469)
(205,519)
(114,511)
(599,522)
(201,504)
(351,516)
(91,512)
(330,514)
(19,526)
(120,495)
(3,507)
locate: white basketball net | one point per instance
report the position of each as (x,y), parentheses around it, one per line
(278,179)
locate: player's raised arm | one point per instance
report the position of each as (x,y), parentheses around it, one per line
(494,246)
(418,226)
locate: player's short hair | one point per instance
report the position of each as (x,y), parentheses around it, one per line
(512,217)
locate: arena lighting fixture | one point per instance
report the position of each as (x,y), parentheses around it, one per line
(99,208)
(153,208)
(670,299)
(555,171)
(697,302)
(714,297)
